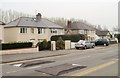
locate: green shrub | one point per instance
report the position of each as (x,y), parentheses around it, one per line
(118,36)
(73,38)
(16,45)
(48,45)
(60,44)
(44,45)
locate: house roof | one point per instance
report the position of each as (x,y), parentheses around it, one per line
(2,23)
(81,26)
(32,22)
(102,32)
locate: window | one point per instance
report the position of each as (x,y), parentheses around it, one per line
(93,32)
(40,40)
(53,30)
(32,40)
(23,30)
(81,31)
(85,31)
(32,30)
(87,42)
(41,30)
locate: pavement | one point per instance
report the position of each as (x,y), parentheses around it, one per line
(100,61)
(44,54)
(41,54)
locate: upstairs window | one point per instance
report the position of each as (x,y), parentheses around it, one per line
(53,30)
(41,31)
(93,32)
(23,30)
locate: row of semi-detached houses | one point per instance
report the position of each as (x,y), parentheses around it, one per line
(37,29)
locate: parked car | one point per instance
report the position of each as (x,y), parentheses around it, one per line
(104,42)
(84,44)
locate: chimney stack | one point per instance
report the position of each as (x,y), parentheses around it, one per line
(69,24)
(38,16)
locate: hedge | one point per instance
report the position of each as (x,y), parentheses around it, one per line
(16,45)
(73,38)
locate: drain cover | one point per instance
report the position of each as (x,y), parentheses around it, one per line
(31,63)
(60,69)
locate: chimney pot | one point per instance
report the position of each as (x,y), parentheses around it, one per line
(38,16)
(69,24)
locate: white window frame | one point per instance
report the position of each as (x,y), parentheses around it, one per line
(32,40)
(41,30)
(54,31)
(23,30)
(81,32)
(40,40)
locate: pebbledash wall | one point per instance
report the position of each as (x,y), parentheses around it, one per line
(13,34)
(1,34)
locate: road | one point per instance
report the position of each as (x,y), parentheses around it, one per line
(99,62)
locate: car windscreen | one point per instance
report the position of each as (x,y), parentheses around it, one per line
(81,41)
(101,40)
(98,40)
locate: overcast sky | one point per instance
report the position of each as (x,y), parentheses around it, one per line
(97,12)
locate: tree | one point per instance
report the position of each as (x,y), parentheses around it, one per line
(10,15)
(116,28)
(99,27)
(105,28)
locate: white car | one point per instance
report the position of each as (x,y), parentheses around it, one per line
(84,44)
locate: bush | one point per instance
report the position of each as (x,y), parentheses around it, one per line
(16,45)
(60,44)
(44,45)
(73,38)
(118,36)
(48,45)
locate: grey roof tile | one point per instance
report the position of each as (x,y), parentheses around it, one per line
(2,23)
(32,22)
(81,26)
(101,33)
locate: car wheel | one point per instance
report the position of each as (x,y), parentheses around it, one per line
(85,47)
(93,46)
(77,47)
(107,45)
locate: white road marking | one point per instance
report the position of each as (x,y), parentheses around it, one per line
(75,64)
(34,67)
(23,69)
(18,65)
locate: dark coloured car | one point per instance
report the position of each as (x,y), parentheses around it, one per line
(104,42)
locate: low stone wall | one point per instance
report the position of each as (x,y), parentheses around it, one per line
(67,44)
(73,45)
(17,51)
(113,42)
